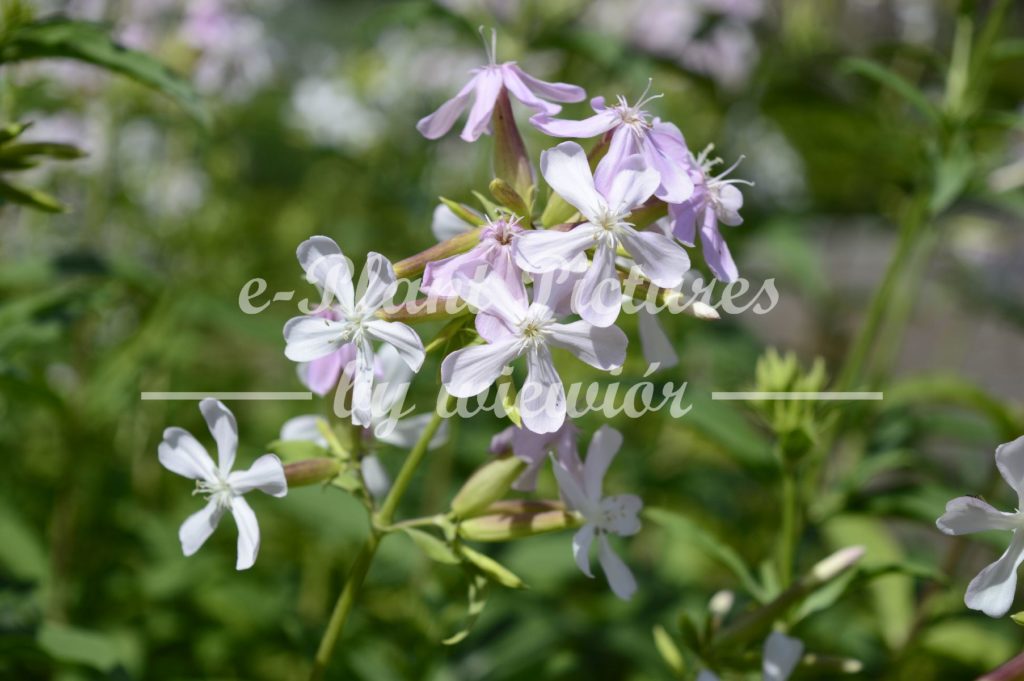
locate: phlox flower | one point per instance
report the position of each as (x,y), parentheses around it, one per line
(512,327)
(313,336)
(533,449)
(598,296)
(485,86)
(182,454)
(492,254)
(618,514)
(992,591)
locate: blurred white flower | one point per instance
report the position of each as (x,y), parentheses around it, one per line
(331,114)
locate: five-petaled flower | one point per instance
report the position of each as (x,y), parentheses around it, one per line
(182,454)
(486,84)
(314,336)
(598,295)
(993,589)
(618,514)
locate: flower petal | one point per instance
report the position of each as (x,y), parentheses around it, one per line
(494,295)
(182,454)
(303,427)
(547,250)
(488,86)
(314,249)
(620,577)
(781,655)
(632,185)
(602,347)
(598,296)
(556,92)
(402,338)
(581,542)
(198,527)
(665,151)
(309,338)
(730,201)
(322,375)
(622,153)
(362,385)
(595,125)
(1010,462)
(621,514)
(965,515)
(224,429)
(542,399)
(332,273)
(378,283)
(441,121)
(570,485)
(405,432)
(604,445)
(375,476)
(716,251)
(567,171)
(265,474)
(655,343)
(683,217)
(248,533)
(472,370)
(992,591)
(446,224)
(660,259)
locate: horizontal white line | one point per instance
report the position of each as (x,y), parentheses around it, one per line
(227,395)
(796,395)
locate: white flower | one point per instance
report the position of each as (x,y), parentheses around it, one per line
(993,589)
(598,297)
(780,657)
(182,454)
(512,328)
(603,515)
(312,337)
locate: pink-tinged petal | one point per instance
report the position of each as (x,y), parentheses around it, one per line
(620,577)
(488,86)
(439,275)
(1010,462)
(265,474)
(248,533)
(198,527)
(581,542)
(654,342)
(556,92)
(402,338)
(660,258)
(598,296)
(571,487)
(332,273)
(182,454)
(621,152)
(548,250)
(965,515)
(472,370)
(441,121)
(446,224)
(684,218)
(992,591)
(716,251)
(567,171)
(303,427)
(517,88)
(620,514)
(362,385)
(676,185)
(378,283)
(730,201)
(595,125)
(780,657)
(495,296)
(602,347)
(632,185)
(603,447)
(224,429)
(310,338)
(542,398)
(554,289)
(322,375)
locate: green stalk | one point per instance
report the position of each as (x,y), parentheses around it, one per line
(790,531)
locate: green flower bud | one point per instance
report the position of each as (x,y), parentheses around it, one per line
(311,471)
(506,526)
(488,484)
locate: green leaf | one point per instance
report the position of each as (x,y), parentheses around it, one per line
(432,547)
(32,198)
(12,131)
(492,569)
(55,150)
(79,646)
(477,600)
(91,42)
(883,76)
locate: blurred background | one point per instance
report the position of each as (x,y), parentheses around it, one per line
(135,288)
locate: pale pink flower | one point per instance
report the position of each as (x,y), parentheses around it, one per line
(492,254)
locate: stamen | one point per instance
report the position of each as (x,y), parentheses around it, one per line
(644,98)
(491,48)
(728,170)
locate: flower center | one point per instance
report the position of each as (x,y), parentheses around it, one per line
(534,328)
(218,490)
(635,117)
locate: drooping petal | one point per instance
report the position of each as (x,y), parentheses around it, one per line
(309,338)
(471,370)
(441,121)
(598,296)
(992,591)
(581,542)
(602,347)
(542,399)
(362,385)
(621,514)
(556,92)
(446,224)
(567,171)
(265,474)
(655,343)
(965,515)
(604,445)
(781,655)
(224,429)
(1010,462)
(248,533)
(632,185)
(716,251)
(182,454)
(375,477)
(198,527)
(595,125)
(620,577)
(488,86)
(659,258)
(547,250)
(305,427)
(402,338)
(378,283)
(518,89)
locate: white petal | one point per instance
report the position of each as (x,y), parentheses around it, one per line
(992,591)
(781,655)
(547,250)
(660,258)
(602,449)
(654,342)
(598,296)
(600,347)
(377,283)
(182,454)
(494,296)
(446,224)
(266,474)
(402,338)
(362,385)
(472,370)
(332,272)
(198,527)
(305,427)
(308,338)
(620,577)
(441,121)
(224,429)
(965,515)
(542,399)
(313,249)
(632,185)
(730,201)
(620,514)
(375,477)
(567,171)
(405,432)
(581,542)
(248,533)
(571,487)
(1010,461)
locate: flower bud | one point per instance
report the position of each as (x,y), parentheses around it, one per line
(505,526)
(488,484)
(506,195)
(511,162)
(311,471)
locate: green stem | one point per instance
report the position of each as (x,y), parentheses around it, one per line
(361,566)
(790,525)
